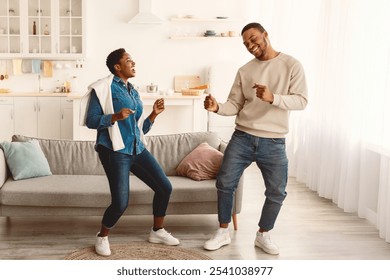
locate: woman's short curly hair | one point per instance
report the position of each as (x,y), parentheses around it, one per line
(113,58)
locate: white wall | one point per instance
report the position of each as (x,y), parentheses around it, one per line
(157,58)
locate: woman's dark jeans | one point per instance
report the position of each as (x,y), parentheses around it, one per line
(117,167)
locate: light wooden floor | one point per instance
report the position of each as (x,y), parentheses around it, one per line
(308,228)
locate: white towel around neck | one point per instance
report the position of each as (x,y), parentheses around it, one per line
(102,88)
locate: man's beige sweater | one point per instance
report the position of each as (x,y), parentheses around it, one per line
(285,78)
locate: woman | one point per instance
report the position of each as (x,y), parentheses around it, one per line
(115,110)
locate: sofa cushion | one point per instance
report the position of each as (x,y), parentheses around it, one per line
(93,191)
(68,156)
(202,163)
(170,150)
(25,159)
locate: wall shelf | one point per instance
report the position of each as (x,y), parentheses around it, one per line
(196,19)
(202,37)
(193,28)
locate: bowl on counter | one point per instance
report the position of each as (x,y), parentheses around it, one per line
(152,88)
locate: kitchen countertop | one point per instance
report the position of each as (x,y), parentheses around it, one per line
(74,95)
(35,94)
(145,95)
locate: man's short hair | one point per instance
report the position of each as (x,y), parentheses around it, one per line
(255,25)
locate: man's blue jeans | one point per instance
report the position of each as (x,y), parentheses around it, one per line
(270,156)
(117,167)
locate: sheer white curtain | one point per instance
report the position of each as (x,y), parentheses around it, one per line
(340,145)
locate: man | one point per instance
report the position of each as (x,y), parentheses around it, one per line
(264,91)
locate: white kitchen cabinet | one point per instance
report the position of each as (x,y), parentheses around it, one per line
(50,29)
(6,118)
(42,116)
(10,29)
(49,117)
(66,118)
(38,116)
(25,109)
(40,23)
(71,27)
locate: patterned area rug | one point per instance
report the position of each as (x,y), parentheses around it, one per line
(140,251)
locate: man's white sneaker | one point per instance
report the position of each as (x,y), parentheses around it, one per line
(102,246)
(220,238)
(163,237)
(263,241)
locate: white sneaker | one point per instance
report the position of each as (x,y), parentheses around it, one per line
(163,237)
(102,246)
(263,241)
(220,238)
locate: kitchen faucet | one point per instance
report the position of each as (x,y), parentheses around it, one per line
(39,83)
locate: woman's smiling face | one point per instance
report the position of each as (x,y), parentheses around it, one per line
(126,66)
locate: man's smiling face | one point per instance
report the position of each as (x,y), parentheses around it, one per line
(256,42)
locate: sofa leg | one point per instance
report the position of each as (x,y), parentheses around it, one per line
(234,216)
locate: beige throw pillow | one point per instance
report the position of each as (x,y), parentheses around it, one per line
(202,163)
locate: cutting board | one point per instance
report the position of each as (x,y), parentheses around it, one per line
(186,81)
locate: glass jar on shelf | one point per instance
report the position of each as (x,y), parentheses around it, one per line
(14,29)
(46,30)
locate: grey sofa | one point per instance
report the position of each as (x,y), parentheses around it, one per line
(79,186)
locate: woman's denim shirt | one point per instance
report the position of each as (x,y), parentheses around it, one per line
(123,96)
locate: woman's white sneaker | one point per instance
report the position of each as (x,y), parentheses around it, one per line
(102,246)
(163,237)
(220,238)
(263,241)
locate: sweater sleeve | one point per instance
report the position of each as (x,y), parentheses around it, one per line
(297,97)
(235,100)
